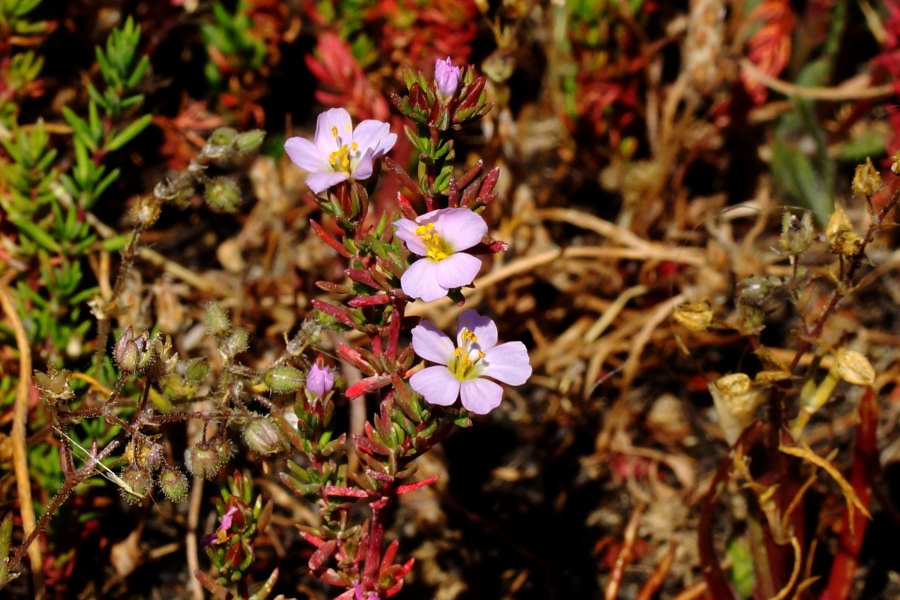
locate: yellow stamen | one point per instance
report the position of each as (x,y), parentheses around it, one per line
(435,247)
(334,131)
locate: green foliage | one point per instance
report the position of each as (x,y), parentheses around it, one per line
(229,35)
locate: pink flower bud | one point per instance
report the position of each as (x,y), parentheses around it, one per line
(446,77)
(319,380)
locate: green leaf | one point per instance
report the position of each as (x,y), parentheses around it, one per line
(37,234)
(129,133)
(80,129)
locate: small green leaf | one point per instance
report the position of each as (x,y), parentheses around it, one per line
(129,133)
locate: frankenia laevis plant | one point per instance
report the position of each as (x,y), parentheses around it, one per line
(440,238)
(339,152)
(467,370)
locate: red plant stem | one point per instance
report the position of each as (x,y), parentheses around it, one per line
(625,555)
(865,465)
(373,550)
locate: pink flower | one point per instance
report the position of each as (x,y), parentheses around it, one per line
(462,372)
(340,152)
(319,380)
(446,76)
(220,535)
(440,238)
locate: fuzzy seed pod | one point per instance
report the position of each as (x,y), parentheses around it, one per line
(264,437)
(236,343)
(249,141)
(217,320)
(204,461)
(138,483)
(149,454)
(223,194)
(866,179)
(127,353)
(53,386)
(283,379)
(173,483)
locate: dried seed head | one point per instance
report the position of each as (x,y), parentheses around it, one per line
(145,211)
(54,385)
(127,353)
(866,179)
(854,367)
(149,454)
(796,234)
(173,483)
(736,400)
(842,239)
(283,379)
(695,317)
(264,436)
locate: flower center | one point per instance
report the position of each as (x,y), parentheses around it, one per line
(435,247)
(466,360)
(343,159)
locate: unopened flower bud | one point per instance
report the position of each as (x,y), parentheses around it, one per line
(264,436)
(146,211)
(319,380)
(854,367)
(223,194)
(173,483)
(796,234)
(204,460)
(249,141)
(235,343)
(127,352)
(138,482)
(217,320)
(866,179)
(283,379)
(695,317)
(446,77)
(736,400)
(223,136)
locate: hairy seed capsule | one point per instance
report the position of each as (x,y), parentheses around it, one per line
(249,141)
(264,436)
(217,320)
(204,461)
(138,480)
(223,194)
(283,379)
(236,343)
(173,483)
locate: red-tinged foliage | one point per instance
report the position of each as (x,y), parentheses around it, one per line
(414,34)
(185,133)
(769,48)
(889,61)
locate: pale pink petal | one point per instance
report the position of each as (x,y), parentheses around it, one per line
(406,231)
(321,181)
(507,363)
(385,145)
(420,281)
(368,135)
(364,167)
(437,385)
(431,343)
(461,227)
(480,395)
(334,119)
(457,270)
(305,155)
(483,328)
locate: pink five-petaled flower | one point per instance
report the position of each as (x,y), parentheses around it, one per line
(446,77)
(220,535)
(463,371)
(440,237)
(340,152)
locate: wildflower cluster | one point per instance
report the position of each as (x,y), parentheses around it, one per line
(392,260)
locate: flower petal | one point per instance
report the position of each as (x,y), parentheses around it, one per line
(507,363)
(483,328)
(385,145)
(333,119)
(305,155)
(364,167)
(437,385)
(480,396)
(457,270)
(369,134)
(461,227)
(406,231)
(420,281)
(321,181)
(430,343)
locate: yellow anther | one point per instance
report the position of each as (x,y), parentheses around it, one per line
(334,131)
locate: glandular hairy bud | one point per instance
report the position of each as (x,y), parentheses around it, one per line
(222,137)
(842,239)
(249,141)
(223,194)
(54,386)
(149,454)
(797,234)
(138,483)
(283,379)
(264,437)
(696,316)
(736,400)
(173,483)
(204,460)
(127,353)
(854,367)
(217,320)
(235,343)
(866,179)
